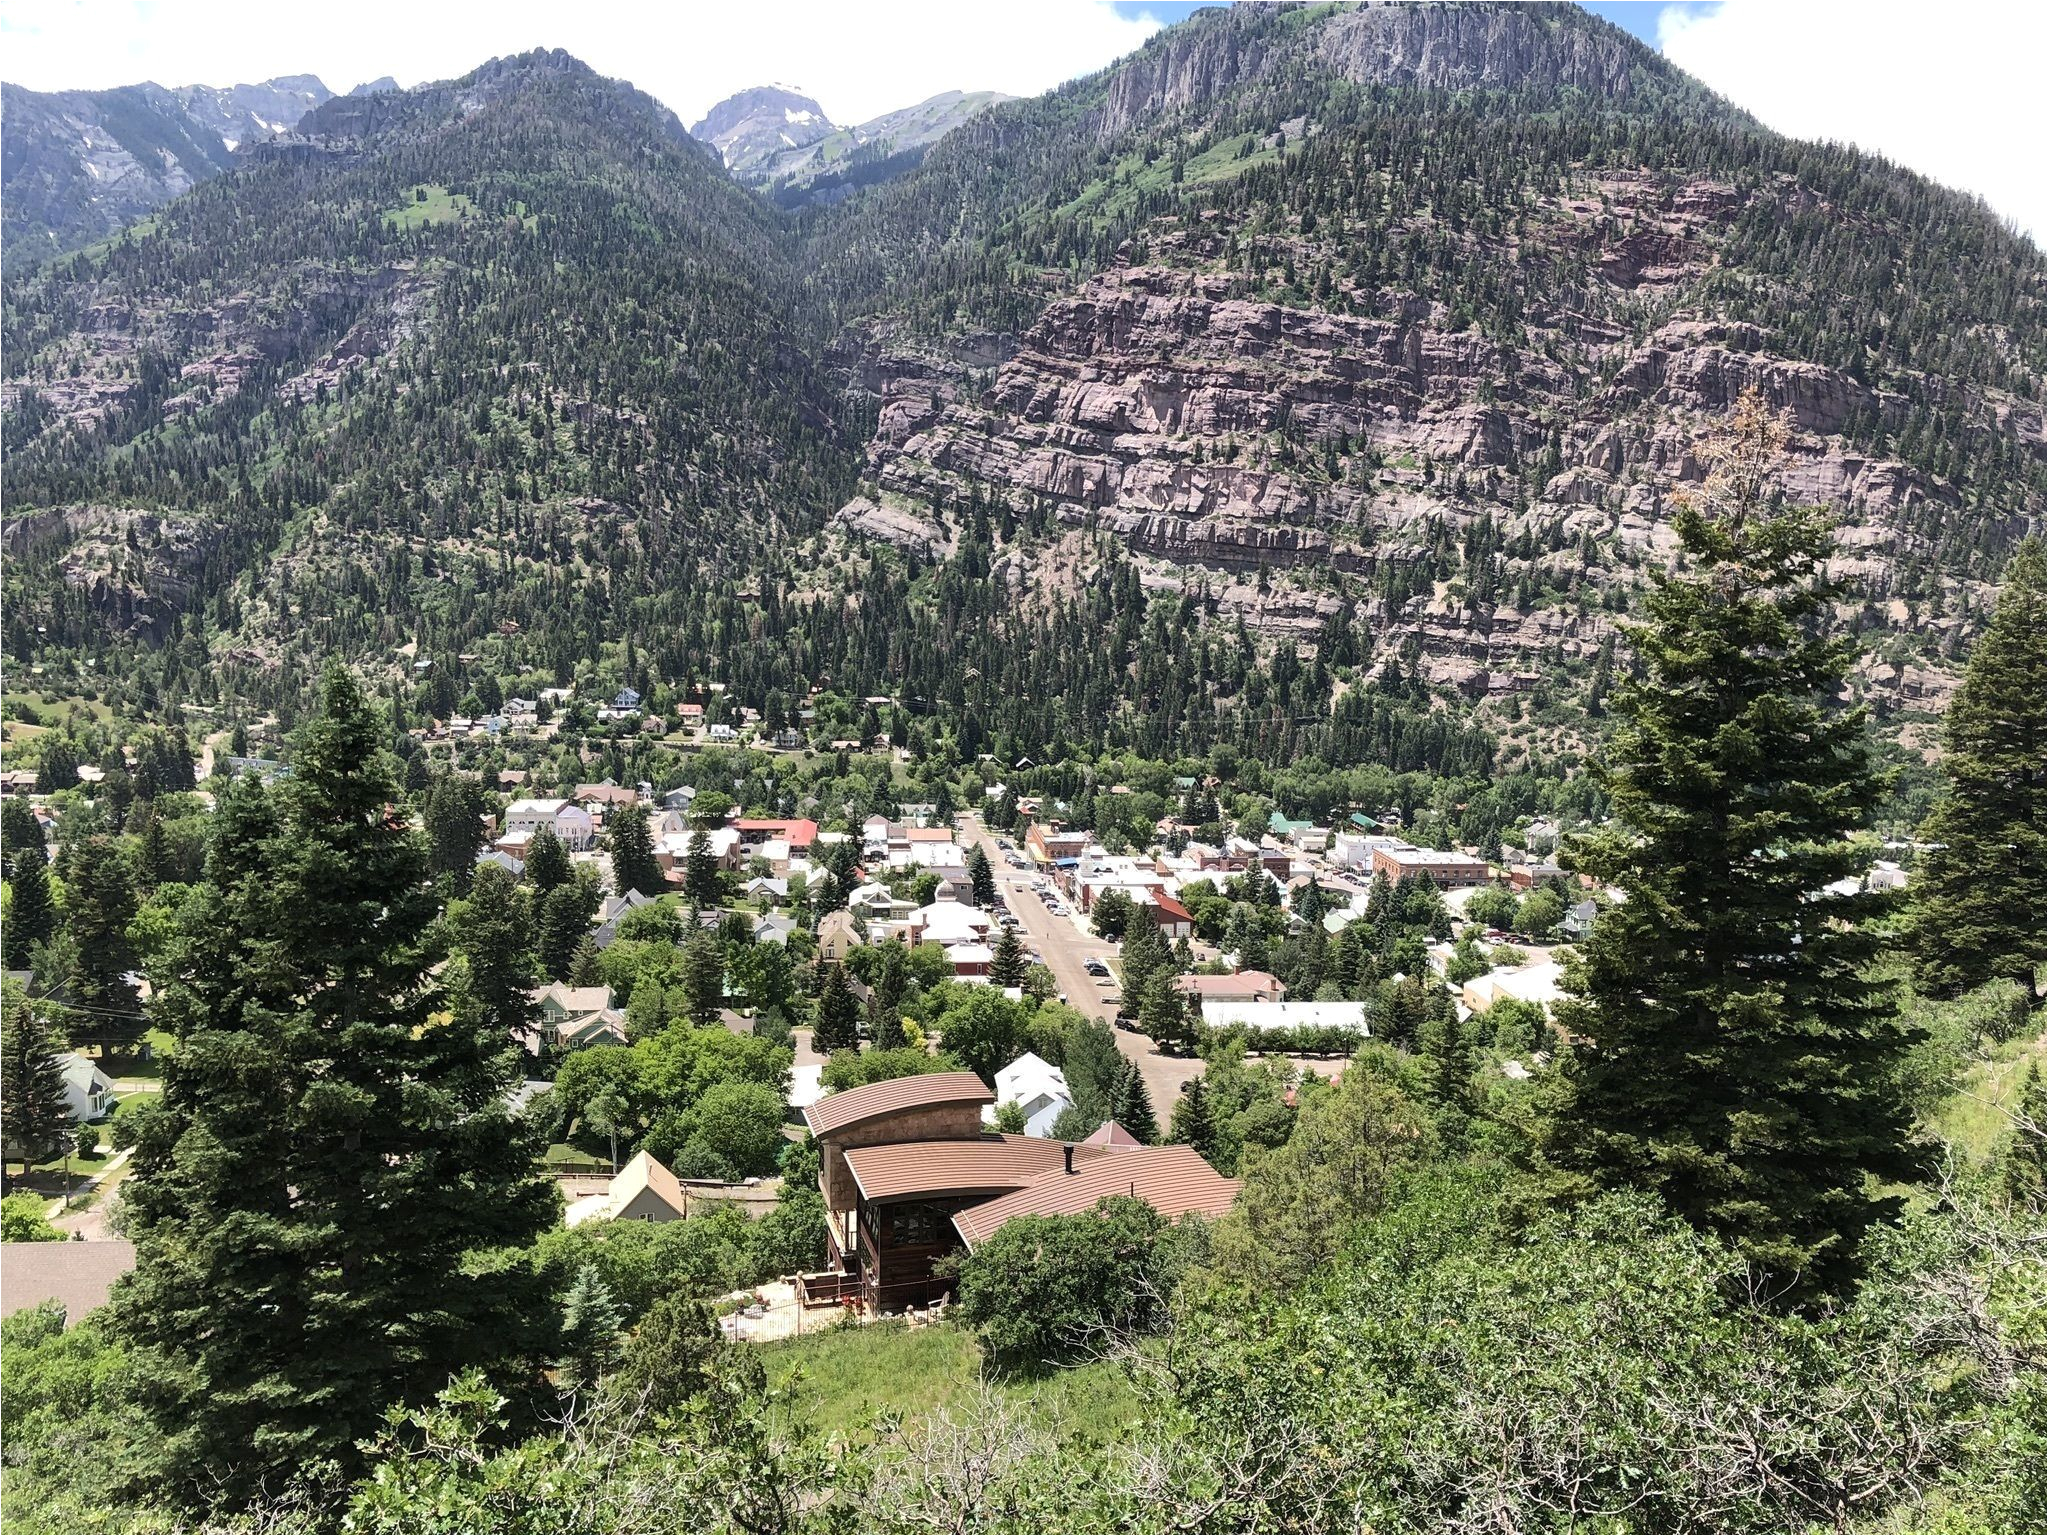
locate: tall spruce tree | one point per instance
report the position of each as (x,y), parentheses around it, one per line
(837,1023)
(1979,901)
(99,904)
(493,932)
(31,914)
(1739,1053)
(1132,1105)
(331,1201)
(32,1102)
(1194,1122)
(981,878)
(633,863)
(455,830)
(547,862)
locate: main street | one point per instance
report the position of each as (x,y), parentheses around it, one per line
(1065,951)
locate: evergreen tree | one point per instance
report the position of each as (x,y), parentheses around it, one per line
(1979,908)
(547,862)
(565,923)
(1131,1105)
(1193,1123)
(99,904)
(1007,967)
(330,1197)
(32,1102)
(592,1322)
(58,767)
(703,880)
(20,833)
(1739,1057)
(1446,1051)
(1163,1013)
(633,864)
(493,932)
(981,878)
(455,830)
(837,1025)
(704,976)
(31,914)
(885,996)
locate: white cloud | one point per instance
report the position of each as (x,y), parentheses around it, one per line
(1952,91)
(859,58)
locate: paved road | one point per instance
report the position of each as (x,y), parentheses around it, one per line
(1064,949)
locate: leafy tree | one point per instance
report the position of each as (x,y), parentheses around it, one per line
(323,1199)
(1491,906)
(493,932)
(547,862)
(837,1023)
(981,878)
(984,1029)
(855,1069)
(1739,1053)
(1043,1287)
(1193,1125)
(1351,1143)
(1111,915)
(667,1359)
(24,1218)
(1978,905)
(633,863)
(32,1102)
(1540,913)
(1010,1118)
(735,1127)
(31,914)
(454,818)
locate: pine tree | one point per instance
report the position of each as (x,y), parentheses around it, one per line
(837,1025)
(20,834)
(31,914)
(981,878)
(547,862)
(1007,967)
(329,1198)
(1132,1105)
(99,904)
(633,864)
(455,830)
(1441,1042)
(1163,1013)
(1739,1055)
(592,1325)
(1979,909)
(32,1102)
(564,923)
(703,881)
(1193,1123)
(493,932)
(704,976)
(885,996)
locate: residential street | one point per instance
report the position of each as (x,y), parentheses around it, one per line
(1065,951)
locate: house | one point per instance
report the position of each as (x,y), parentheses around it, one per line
(1174,921)
(720,731)
(1540,982)
(1048,848)
(763,885)
(1578,922)
(679,798)
(836,935)
(605,794)
(947,922)
(1035,1086)
(1262,1016)
(565,818)
(1244,987)
(789,740)
(511,864)
(1525,877)
(971,961)
(879,903)
(573,1017)
(1445,868)
(919,813)
(773,928)
(756,830)
(909,1176)
(88,1092)
(614,909)
(643,1190)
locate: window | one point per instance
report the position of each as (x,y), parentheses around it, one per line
(915,1225)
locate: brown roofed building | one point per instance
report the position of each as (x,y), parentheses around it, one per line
(906,1166)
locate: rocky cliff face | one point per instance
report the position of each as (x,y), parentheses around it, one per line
(1290,459)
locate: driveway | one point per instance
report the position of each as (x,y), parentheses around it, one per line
(1065,950)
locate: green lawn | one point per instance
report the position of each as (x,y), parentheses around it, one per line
(847,1376)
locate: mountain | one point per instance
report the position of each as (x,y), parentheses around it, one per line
(752,129)
(1315,380)
(75,166)
(372,87)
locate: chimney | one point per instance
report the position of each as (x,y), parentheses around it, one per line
(1068,1148)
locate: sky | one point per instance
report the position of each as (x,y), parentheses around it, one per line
(1951,91)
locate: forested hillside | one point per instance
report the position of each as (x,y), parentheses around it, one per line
(1374,341)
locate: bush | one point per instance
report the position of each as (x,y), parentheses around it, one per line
(22,1220)
(1043,1285)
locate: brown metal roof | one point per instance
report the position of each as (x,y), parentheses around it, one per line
(986,1165)
(837,1111)
(1172,1180)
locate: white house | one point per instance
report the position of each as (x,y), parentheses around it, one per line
(1540,982)
(1037,1087)
(565,818)
(88,1092)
